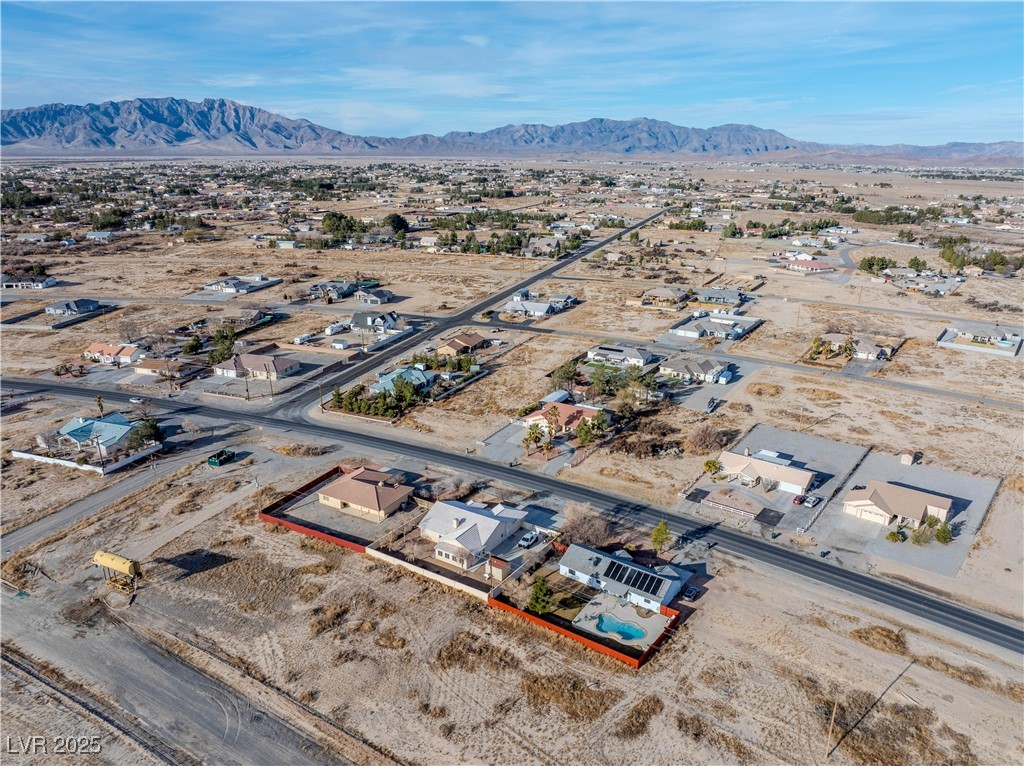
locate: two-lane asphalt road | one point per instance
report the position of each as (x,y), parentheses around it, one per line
(970,622)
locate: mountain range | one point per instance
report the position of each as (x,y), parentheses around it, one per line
(170,127)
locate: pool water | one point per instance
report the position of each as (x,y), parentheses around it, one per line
(607,623)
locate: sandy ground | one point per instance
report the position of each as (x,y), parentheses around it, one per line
(518,379)
(748,679)
(31,490)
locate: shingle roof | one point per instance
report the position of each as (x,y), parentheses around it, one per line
(473,526)
(367,488)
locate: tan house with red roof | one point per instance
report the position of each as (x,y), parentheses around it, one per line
(883,502)
(366,492)
(567,417)
(464,343)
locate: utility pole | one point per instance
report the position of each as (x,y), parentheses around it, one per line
(320,387)
(828,744)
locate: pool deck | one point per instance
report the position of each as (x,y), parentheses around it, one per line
(654,623)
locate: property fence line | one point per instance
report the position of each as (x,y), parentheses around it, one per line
(439,578)
(102,470)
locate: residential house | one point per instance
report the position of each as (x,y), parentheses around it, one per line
(105,435)
(335,289)
(621,356)
(729,299)
(258,366)
(566,417)
(175,369)
(882,502)
(665,296)
(367,492)
(31,238)
(619,575)
(26,282)
(728,326)
(243,285)
(810,267)
(563,301)
(765,468)
(692,370)
(288,244)
(100,236)
(463,343)
(370,297)
(465,534)
(530,308)
(372,320)
(987,338)
(972,270)
(863,348)
(73,308)
(420,379)
(113,353)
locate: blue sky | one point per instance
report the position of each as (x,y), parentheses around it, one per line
(863,72)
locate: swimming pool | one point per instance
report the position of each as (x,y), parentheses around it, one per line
(628,631)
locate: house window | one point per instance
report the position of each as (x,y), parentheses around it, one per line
(572,572)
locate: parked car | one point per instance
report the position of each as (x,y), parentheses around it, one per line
(528,539)
(812,501)
(859,486)
(799,499)
(136,400)
(691,594)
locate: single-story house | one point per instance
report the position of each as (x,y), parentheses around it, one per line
(243,284)
(619,575)
(665,296)
(420,379)
(531,308)
(72,308)
(972,270)
(288,244)
(463,343)
(692,370)
(259,366)
(106,435)
(372,320)
(810,267)
(28,282)
(370,297)
(168,368)
(113,353)
(730,326)
(569,416)
(883,502)
(621,356)
(863,348)
(719,297)
(100,236)
(336,289)
(765,468)
(465,534)
(32,238)
(366,491)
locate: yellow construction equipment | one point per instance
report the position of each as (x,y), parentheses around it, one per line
(121,573)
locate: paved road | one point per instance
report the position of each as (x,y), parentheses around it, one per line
(174,701)
(967,621)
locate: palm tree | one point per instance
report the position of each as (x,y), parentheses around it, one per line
(712,467)
(99,405)
(534,436)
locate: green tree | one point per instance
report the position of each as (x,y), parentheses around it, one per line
(144,433)
(931,521)
(660,537)
(731,230)
(918,264)
(894,537)
(193,346)
(944,534)
(585,433)
(534,436)
(336,400)
(565,374)
(712,467)
(540,597)
(599,423)
(397,222)
(99,405)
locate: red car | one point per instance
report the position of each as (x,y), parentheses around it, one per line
(799,499)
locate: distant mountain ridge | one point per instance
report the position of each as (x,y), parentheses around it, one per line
(219,127)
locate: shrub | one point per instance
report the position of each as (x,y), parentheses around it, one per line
(540,597)
(920,536)
(894,537)
(944,534)
(931,521)
(706,438)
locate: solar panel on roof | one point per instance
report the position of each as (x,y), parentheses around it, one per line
(634,578)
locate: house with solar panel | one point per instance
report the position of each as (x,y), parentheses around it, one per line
(617,574)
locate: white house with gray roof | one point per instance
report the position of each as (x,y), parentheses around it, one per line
(617,574)
(621,356)
(464,534)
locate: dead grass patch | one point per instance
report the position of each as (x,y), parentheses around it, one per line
(467,651)
(699,730)
(881,638)
(638,719)
(303,450)
(327,618)
(819,394)
(308,591)
(764,389)
(569,692)
(388,639)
